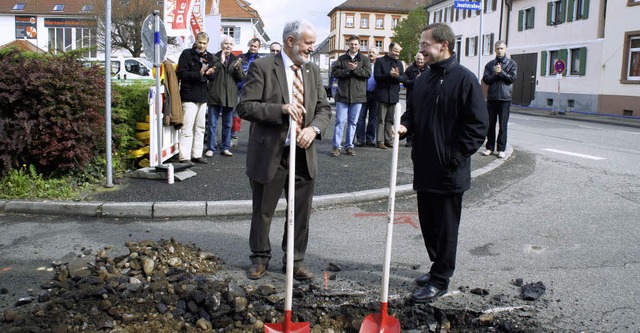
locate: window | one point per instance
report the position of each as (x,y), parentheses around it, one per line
(232,32)
(633,2)
(364,22)
(487,44)
(631,58)
(379,22)
(19,6)
(490,6)
(578,61)
(553,57)
(364,45)
(379,43)
(66,39)
(394,21)
(472,46)
(581,9)
(526,17)
(86,8)
(58,8)
(349,23)
(86,39)
(556,12)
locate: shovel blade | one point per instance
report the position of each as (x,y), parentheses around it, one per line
(289,327)
(380,323)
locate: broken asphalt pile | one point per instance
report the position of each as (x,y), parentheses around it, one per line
(166,286)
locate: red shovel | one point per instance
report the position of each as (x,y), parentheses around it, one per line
(286,325)
(382,322)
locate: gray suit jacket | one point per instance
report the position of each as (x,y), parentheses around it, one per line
(264,93)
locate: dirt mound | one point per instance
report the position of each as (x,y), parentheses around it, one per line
(166,286)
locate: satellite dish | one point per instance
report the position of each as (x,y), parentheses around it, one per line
(148,40)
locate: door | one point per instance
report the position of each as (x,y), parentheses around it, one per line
(524,89)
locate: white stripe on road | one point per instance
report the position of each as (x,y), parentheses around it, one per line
(575,154)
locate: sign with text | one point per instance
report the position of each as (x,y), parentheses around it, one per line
(467,5)
(26,27)
(177,16)
(56,22)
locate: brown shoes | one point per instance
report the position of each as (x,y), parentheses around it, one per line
(300,273)
(381,145)
(257,270)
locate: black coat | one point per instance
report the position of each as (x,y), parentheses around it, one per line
(387,86)
(193,85)
(223,87)
(500,85)
(410,75)
(449,119)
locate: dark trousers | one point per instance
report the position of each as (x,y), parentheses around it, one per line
(498,110)
(366,128)
(439,216)
(265,200)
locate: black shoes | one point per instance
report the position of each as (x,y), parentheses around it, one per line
(426,294)
(200,160)
(423,280)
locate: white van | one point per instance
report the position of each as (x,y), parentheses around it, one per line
(127,70)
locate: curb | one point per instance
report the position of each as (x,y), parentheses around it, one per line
(182,209)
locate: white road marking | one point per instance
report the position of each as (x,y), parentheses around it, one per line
(575,154)
(629,132)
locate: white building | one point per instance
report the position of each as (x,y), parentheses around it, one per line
(595,43)
(243,23)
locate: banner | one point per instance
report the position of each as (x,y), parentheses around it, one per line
(177,16)
(26,27)
(197,17)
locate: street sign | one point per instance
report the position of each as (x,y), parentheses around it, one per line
(467,5)
(148,39)
(559,66)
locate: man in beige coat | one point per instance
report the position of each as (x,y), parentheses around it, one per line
(267,102)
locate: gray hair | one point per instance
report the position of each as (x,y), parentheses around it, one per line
(500,42)
(225,38)
(295,29)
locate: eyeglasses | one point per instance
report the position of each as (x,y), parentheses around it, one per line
(424,45)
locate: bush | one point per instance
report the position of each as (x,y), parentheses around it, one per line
(51,112)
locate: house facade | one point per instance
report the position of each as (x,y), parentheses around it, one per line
(572,55)
(51,25)
(371,20)
(242,22)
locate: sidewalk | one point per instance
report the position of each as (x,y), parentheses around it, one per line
(221,187)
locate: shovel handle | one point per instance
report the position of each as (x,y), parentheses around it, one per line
(290,214)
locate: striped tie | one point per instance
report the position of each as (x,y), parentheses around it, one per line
(298,93)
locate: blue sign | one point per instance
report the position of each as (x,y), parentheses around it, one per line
(467,5)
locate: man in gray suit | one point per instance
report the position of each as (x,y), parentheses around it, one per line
(267,101)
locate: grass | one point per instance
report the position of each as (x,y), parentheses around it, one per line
(27,183)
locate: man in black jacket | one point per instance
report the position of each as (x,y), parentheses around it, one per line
(352,71)
(499,75)
(448,117)
(412,73)
(388,72)
(195,69)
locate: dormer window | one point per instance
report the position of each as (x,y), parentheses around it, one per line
(86,8)
(58,8)
(19,6)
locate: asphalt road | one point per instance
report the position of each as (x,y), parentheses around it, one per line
(563,209)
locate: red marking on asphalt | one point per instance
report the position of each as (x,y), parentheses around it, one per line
(6,269)
(398,218)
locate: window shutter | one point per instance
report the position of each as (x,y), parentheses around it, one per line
(494,5)
(562,55)
(476,38)
(549,13)
(585,13)
(571,10)
(583,61)
(466,46)
(563,11)
(491,44)
(533,16)
(543,63)
(520,20)
(236,35)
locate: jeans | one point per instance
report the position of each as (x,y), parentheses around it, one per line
(213,114)
(191,135)
(348,113)
(366,129)
(498,112)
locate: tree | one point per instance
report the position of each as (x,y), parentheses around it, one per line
(127,17)
(408,32)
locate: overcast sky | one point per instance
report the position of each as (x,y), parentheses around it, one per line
(275,13)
